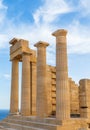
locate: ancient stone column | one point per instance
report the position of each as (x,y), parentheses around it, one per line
(26,89)
(84,98)
(33,69)
(41,99)
(14,88)
(62,86)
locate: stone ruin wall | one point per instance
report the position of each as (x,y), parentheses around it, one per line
(84,97)
(74,92)
(18,48)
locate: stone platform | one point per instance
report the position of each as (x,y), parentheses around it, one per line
(32,123)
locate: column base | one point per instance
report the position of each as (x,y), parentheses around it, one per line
(15,113)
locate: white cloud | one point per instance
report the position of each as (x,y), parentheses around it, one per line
(41,29)
(3,19)
(51,10)
(6,76)
(2,6)
(78,38)
(84,7)
(3,40)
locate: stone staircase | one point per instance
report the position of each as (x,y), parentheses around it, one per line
(28,123)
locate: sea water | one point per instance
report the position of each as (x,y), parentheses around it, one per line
(3,114)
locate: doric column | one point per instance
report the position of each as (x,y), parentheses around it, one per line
(84,98)
(62,86)
(14,88)
(26,89)
(41,100)
(33,69)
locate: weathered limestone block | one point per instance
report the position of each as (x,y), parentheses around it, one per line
(74,97)
(84,91)
(18,47)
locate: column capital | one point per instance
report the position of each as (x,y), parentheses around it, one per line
(41,44)
(60,32)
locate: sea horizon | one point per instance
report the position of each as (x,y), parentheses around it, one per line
(4,113)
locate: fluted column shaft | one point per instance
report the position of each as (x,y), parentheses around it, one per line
(14,88)
(26,90)
(41,99)
(62,86)
(33,66)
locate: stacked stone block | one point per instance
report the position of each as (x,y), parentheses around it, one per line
(84,95)
(46,90)
(53,90)
(74,97)
(49,85)
(20,52)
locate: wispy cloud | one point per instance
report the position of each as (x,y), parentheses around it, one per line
(6,76)
(78,38)
(2,6)
(44,24)
(49,11)
(3,10)
(84,7)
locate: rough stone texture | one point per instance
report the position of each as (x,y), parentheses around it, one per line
(62,86)
(84,95)
(53,90)
(32,123)
(41,107)
(26,89)
(49,98)
(74,97)
(33,86)
(14,88)
(74,94)
(21,52)
(52,82)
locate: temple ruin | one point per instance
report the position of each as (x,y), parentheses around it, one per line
(50,100)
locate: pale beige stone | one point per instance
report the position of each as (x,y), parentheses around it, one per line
(62,86)
(84,96)
(74,97)
(17,49)
(33,86)
(48,87)
(42,103)
(52,82)
(19,44)
(26,89)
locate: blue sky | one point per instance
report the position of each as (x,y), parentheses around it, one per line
(35,20)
